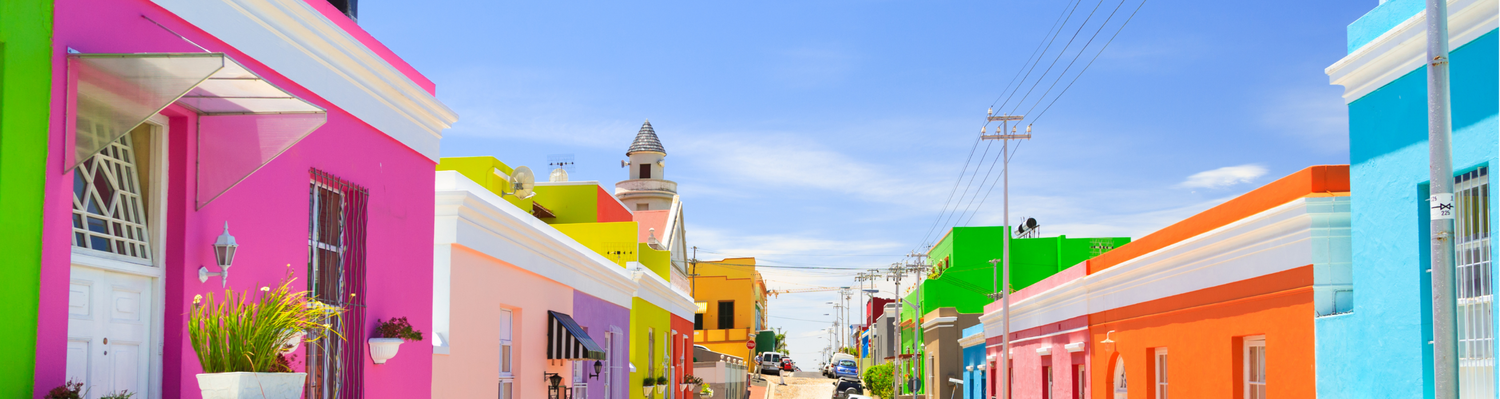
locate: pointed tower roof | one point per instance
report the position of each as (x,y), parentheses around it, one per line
(646,141)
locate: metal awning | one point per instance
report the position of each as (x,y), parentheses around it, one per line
(566,340)
(243,121)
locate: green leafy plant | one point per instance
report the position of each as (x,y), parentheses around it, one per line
(68,390)
(397,327)
(691,379)
(878,380)
(706,392)
(661,380)
(238,334)
(119,395)
(648,381)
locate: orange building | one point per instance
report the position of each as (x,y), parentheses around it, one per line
(731,299)
(1221,304)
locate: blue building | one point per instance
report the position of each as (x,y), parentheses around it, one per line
(1374,319)
(973,361)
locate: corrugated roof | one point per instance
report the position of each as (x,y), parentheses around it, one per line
(646,141)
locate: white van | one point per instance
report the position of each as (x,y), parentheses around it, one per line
(770,361)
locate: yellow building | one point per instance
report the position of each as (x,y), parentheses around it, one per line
(731,299)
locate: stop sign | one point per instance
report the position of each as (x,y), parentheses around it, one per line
(750,344)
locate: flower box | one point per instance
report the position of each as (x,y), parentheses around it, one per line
(242,385)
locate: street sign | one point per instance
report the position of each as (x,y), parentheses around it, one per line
(750,344)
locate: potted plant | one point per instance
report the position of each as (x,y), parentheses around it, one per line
(68,390)
(388,337)
(706,392)
(690,382)
(648,386)
(240,341)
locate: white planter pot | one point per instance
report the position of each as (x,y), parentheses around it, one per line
(649,390)
(251,385)
(382,349)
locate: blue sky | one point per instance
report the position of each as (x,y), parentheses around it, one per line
(831,133)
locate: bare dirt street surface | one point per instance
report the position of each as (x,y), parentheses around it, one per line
(801,385)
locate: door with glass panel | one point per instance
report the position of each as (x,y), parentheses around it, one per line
(507,375)
(113,303)
(1476,322)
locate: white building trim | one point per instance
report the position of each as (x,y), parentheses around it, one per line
(972,340)
(297,41)
(1269,242)
(1404,48)
(938,322)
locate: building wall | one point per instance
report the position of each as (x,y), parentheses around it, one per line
(682,352)
(644,317)
(267,212)
(580,202)
(600,316)
(25,43)
(943,358)
(719,281)
(975,383)
(1389,173)
(607,239)
(483,286)
(1203,332)
(1028,363)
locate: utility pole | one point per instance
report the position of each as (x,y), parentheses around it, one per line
(1439,131)
(897,272)
(1005,251)
(919,351)
(693,274)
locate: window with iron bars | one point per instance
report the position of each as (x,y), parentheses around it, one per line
(1476,322)
(336,276)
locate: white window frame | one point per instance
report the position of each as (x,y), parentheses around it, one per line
(1254,365)
(1161,373)
(1476,321)
(1081,382)
(1121,383)
(507,353)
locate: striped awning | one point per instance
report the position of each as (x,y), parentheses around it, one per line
(566,340)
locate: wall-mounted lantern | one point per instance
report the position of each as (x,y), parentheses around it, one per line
(224,248)
(598,368)
(553,391)
(1108,344)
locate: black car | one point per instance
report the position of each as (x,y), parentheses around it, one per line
(846,386)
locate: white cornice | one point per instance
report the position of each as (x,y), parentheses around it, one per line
(1272,241)
(1403,48)
(972,340)
(655,290)
(471,216)
(297,41)
(928,325)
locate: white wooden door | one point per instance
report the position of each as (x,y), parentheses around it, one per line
(109,331)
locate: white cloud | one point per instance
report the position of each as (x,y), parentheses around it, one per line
(1224,177)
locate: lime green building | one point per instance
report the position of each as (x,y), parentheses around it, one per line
(961,276)
(25,84)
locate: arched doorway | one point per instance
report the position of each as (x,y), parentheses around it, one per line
(1119,384)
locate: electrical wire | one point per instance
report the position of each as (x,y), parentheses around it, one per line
(992,186)
(946,203)
(1075,56)
(1091,62)
(1059,55)
(1044,53)
(1028,59)
(966,187)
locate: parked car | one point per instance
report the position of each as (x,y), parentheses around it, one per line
(848,388)
(770,363)
(828,369)
(846,369)
(788,365)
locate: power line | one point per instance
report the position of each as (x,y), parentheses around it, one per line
(966,187)
(1091,61)
(1028,59)
(992,186)
(961,174)
(1059,55)
(1044,53)
(1075,56)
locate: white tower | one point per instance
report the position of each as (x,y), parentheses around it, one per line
(647,189)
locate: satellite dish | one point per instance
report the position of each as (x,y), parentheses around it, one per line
(558,175)
(522,182)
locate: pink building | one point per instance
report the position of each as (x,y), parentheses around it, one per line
(1049,339)
(283,120)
